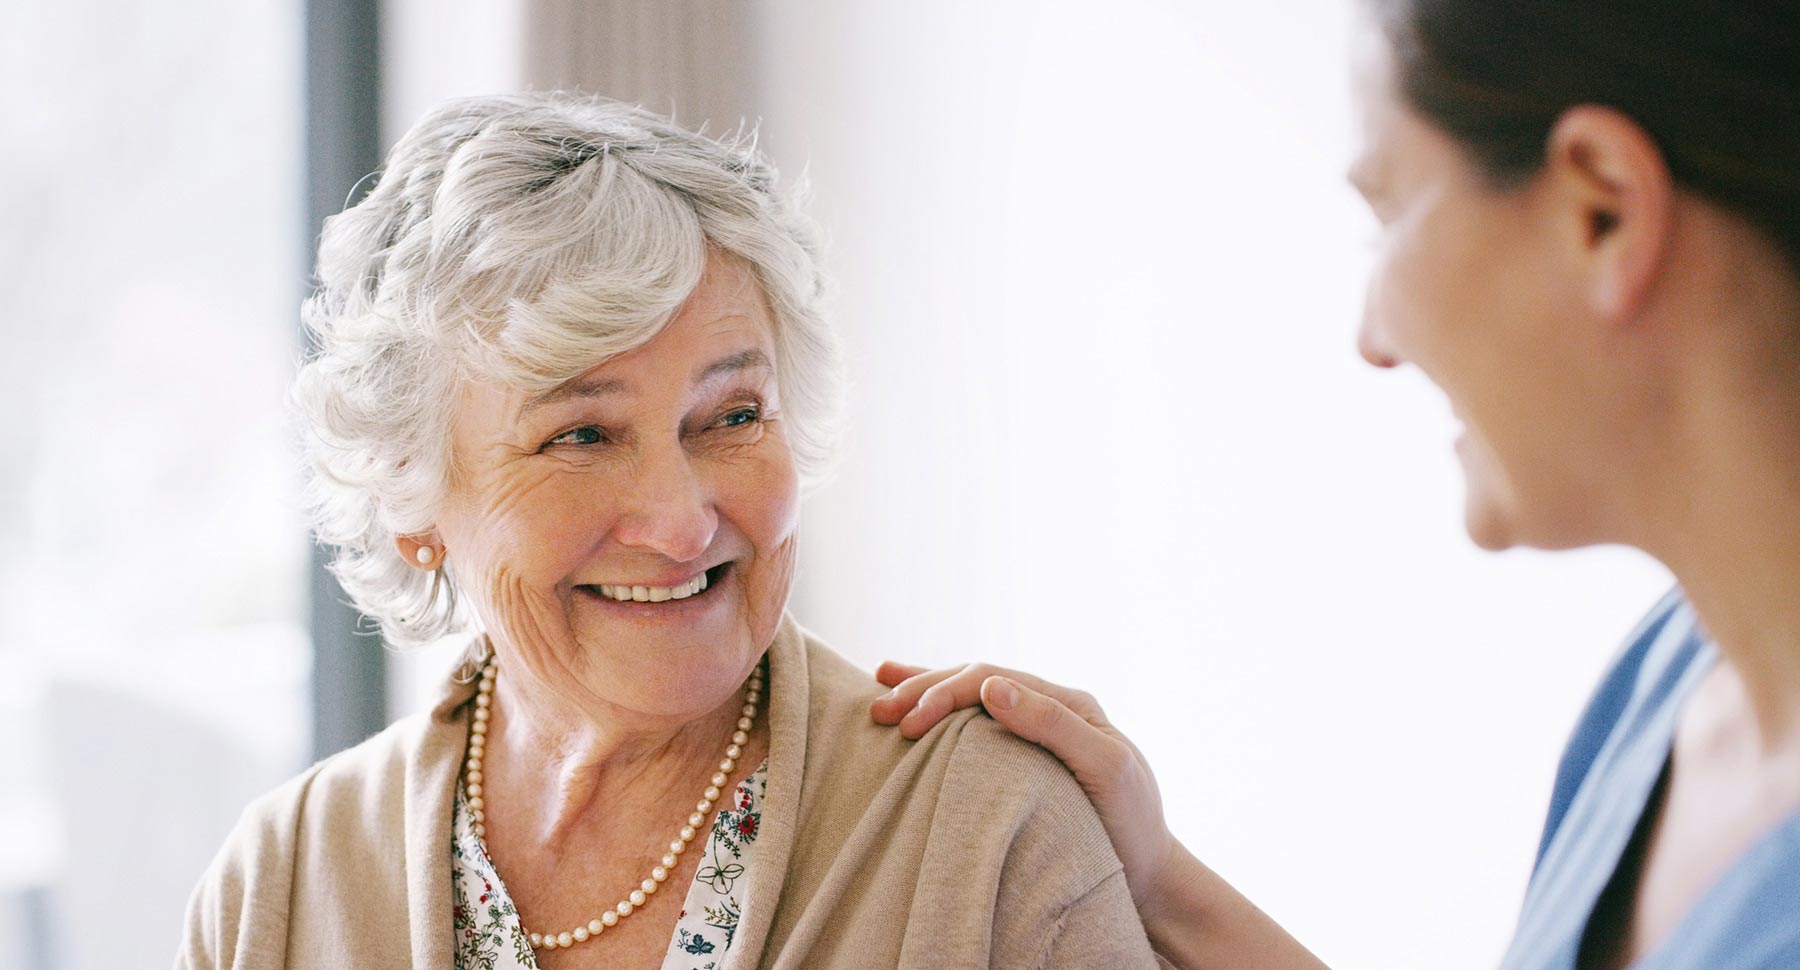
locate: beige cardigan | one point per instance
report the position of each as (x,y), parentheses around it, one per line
(967,848)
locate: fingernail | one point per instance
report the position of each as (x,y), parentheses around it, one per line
(1002,695)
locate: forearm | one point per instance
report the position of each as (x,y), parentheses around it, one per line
(1196,921)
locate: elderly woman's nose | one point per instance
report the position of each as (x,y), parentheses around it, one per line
(669,511)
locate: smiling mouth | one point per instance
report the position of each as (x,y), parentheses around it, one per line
(623,593)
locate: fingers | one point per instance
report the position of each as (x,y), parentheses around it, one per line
(891,674)
(1093,754)
(922,697)
(1069,724)
(890,707)
(962,688)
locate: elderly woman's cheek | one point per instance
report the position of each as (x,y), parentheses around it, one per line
(771,497)
(767,592)
(527,616)
(515,549)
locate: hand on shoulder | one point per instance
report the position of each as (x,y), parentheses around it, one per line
(1071,725)
(1194,918)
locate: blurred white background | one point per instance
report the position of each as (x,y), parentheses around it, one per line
(152,567)
(1099,276)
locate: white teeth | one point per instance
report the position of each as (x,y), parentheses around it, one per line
(654,594)
(689,588)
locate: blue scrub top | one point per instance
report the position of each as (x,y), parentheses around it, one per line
(1748,920)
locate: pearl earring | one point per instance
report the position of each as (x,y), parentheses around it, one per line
(426,555)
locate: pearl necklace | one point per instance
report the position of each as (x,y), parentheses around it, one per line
(472,782)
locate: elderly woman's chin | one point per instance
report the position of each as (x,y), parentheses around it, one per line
(678,653)
(678,656)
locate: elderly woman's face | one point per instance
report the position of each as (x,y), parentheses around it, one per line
(661,469)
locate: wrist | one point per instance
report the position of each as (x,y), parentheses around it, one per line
(1175,895)
(1196,920)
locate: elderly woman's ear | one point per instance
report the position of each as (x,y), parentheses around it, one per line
(425,550)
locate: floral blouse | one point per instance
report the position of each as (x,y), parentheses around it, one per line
(490,937)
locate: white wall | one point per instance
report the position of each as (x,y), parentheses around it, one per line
(1100,277)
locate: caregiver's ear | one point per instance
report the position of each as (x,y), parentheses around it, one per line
(1614,199)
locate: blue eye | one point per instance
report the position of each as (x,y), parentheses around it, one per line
(740,417)
(587,434)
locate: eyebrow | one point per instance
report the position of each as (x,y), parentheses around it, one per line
(582,387)
(743,360)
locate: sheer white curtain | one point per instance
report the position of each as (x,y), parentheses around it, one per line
(152,560)
(692,58)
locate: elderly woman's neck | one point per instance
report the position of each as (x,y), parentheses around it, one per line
(560,762)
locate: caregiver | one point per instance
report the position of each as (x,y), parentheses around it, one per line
(1591,243)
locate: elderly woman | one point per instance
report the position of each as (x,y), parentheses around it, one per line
(572,373)
(1590,219)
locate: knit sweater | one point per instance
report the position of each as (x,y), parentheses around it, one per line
(966,848)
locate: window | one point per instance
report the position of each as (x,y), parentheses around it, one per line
(152,574)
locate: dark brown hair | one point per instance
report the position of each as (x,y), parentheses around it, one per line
(1715,82)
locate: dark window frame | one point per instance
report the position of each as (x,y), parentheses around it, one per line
(343,145)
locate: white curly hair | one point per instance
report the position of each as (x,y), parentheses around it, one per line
(524,240)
